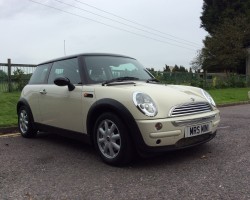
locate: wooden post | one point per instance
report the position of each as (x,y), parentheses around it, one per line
(248,67)
(248,62)
(205,78)
(9,75)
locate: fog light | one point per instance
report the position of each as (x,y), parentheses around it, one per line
(158,126)
(158,141)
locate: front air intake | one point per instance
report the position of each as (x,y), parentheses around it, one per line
(190,109)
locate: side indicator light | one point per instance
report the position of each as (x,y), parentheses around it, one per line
(88,95)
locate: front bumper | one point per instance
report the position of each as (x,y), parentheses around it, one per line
(172,134)
(181,144)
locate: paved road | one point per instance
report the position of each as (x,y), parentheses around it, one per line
(52,167)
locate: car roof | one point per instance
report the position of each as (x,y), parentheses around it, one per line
(84,54)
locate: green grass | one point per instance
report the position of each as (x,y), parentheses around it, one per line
(229,95)
(8,115)
(8,101)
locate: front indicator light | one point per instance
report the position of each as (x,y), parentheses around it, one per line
(158,126)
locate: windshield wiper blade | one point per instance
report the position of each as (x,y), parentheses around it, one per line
(120,79)
(152,80)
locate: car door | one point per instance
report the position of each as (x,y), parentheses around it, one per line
(60,107)
(36,82)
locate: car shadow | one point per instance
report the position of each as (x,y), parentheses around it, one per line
(60,140)
(175,157)
(167,158)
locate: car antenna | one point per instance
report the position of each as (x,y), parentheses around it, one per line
(64,48)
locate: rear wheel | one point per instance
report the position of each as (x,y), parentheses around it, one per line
(25,123)
(111,140)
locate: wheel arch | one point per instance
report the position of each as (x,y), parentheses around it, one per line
(113,106)
(24,102)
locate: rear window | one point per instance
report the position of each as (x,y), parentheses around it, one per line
(40,74)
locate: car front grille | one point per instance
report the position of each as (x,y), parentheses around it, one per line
(190,109)
(185,142)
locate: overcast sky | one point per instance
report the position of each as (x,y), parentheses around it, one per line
(163,32)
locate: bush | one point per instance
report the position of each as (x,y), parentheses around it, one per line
(19,78)
(3,75)
(237,81)
(197,80)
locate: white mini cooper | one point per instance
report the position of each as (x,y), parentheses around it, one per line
(115,103)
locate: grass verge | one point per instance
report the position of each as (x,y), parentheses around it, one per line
(8,101)
(8,115)
(229,95)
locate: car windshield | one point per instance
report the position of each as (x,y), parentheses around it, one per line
(102,69)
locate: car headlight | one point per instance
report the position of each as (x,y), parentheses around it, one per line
(208,97)
(145,104)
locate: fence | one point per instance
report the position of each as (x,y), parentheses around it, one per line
(13,77)
(204,80)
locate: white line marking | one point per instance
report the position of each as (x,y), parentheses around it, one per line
(10,135)
(223,127)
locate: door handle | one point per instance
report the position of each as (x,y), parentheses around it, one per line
(43,91)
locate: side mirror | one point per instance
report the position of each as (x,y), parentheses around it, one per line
(63,81)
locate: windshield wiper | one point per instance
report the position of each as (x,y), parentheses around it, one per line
(152,80)
(120,79)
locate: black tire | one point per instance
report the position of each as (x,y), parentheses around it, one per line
(112,141)
(26,123)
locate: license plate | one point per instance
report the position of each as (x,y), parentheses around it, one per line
(195,130)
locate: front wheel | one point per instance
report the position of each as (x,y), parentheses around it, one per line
(111,140)
(25,123)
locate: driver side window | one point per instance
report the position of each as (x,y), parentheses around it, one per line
(65,68)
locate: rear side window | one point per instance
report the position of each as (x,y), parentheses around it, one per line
(65,68)
(40,74)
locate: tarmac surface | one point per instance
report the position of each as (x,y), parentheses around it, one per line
(53,167)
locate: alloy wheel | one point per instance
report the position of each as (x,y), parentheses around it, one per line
(108,139)
(23,121)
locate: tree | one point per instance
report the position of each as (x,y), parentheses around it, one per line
(3,75)
(176,68)
(225,50)
(216,11)
(166,68)
(197,62)
(227,22)
(19,78)
(182,69)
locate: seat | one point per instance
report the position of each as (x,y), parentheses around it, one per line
(97,74)
(72,75)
